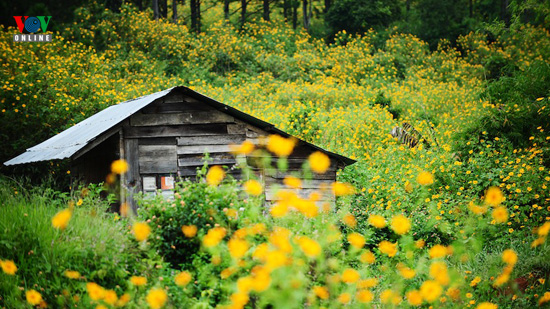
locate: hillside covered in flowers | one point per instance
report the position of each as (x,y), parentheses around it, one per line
(459,220)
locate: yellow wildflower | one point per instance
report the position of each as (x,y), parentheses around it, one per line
(321,292)
(425,178)
(388,248)
(237,247)
(344,298)
(189,231)
(119,166)
(438,271)
(367,257)
(280,146)
(509,257)
(405,271)
(110,297)
(500,214)
(486,305)
(138,280)
(156,298)
(350,275)
(95,291)
(310,247)
(183,278)
(357,240)
(377,221)
(544,229)
(292,182)
(350,220)
(71,274)
(494,196)
(123,300)
(8,267)
(61,219)
(341,189)
(400,224)
(475,281)
(430,290)
(253,187)
(33,297)
(141,231)
(414,298)
(364,296)
(213,237)
(319,162)
(215,175)
(238,300)
(367,283)
(243,149)
(438,251)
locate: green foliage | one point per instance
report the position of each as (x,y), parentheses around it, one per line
(357,17)
(95,243)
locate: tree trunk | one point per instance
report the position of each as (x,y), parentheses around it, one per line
(243,12)
(286,6)
(198,16)
(471,6)
(175,11)
(328,3)
(156,9)
(504,12)
(266,10)
(163,8)
(226,9)
(295,14)
(193,7)
(305,14)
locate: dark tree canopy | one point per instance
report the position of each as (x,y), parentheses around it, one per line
(358,16)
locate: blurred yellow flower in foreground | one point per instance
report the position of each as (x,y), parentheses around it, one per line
(388,248)
(377,221)
(400,224)
(138,280)
(243,149)
(494,196)
(425,178)
(213,237)
(183,278)
(119,166)
(61,219)
(33,297)
(8,267)
(319,162)
(215,175)
(156,298)
(253,187)
(141,231)
(280,146)
(189,230)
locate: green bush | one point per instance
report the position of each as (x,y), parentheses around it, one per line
(95,243)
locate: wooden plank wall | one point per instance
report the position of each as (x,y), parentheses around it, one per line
(173,133)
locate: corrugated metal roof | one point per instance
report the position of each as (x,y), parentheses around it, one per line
(70,141)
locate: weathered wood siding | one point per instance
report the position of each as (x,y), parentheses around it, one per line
(171,135)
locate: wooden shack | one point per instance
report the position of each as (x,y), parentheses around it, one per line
(164,136)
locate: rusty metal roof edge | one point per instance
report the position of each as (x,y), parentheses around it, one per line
(258,122)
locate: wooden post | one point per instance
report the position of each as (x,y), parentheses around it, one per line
(123,175)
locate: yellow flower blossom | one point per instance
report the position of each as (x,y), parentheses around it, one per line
(357,240)
(350,275)
(213,237)
(500,214)
(509,257)
(344,298)
(156,298)
(292,182)
(414,298)
(71,274)
(183,278)
(95,291)
(253,187)
(367,257)
(215,175)
(364,296)
(319,162)
(8,267)
(377,221)
(342,189)
(141,231)
(237,247)
(494,196)
(189,231)
(110,297)
(388,248)
(430,290)
(438,251)
(61,219)
(321,292)
(425,178)
(243,149)
(119,166)
(138,280)
(280,146)
(33,297)
(310,247)
(400,224)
